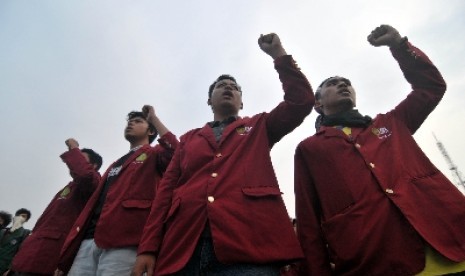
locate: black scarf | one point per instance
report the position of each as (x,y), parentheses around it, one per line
(351,118)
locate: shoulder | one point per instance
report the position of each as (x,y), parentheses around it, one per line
(192,132)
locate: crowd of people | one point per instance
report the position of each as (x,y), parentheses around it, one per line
(368,200)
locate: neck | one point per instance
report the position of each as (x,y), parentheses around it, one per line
(134,144)
(336,110)
(222,117)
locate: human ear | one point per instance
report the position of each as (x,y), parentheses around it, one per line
(318,107)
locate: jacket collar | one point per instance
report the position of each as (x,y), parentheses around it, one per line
(207,132)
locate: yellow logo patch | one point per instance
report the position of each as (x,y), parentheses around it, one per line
(141,157)
(65,192)
(243,130)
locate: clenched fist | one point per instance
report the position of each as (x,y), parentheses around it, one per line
(271,44)
(385,35)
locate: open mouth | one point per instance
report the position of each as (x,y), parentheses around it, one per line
(228,94)
(344,92)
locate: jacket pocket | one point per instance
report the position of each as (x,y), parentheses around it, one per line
(137,203)
(261,191)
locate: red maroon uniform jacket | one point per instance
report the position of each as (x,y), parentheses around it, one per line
(39,253)
(232,184)
(127,204)
(369,202)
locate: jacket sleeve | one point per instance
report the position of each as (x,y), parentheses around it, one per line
(298,100)
(308,215)
(428,86)
(153,231)
(82,172)
(168,143)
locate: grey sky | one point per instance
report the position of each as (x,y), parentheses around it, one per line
(76,68)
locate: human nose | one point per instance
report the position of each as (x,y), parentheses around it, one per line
(228,86)
(342,84)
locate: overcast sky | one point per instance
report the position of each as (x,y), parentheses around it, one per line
(76,68)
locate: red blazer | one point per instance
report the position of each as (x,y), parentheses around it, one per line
(232,185)
(127,204)
(369,202)
(39,253)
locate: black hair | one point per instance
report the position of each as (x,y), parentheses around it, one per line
(138,114)
(222,77)
(6,218)
(318,90)
(94,157)
(24,211)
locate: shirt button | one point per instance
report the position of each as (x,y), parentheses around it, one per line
(358,145)
(389,191)
(210,199)
(214,174)
(77,229)
(372,165)
(219,154)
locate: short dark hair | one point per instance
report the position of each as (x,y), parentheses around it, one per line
(318,90)
(94,157)
(6,218)
(222,77)
(24,211)
(138,114)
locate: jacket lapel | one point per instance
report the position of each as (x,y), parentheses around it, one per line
(333,132)
(134,155)
(207,133)
(231,128)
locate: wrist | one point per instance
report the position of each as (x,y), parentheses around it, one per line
(279,53)
(398,42)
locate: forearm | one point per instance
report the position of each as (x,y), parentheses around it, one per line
(298,99)
(428,86)
(158,124)
(418,69)
(82,172)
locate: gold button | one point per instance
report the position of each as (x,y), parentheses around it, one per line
(389,191)
(358,145)
(214,174)
(372,165)
(77,229)
(219,154)
(211,199)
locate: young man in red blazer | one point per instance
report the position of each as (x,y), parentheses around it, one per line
(219,207)
(40,252)
(105,237)
(368,200)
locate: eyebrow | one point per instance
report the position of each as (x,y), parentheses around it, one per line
(136,119)
(338,79)
(224,82)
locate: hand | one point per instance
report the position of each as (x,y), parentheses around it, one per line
(58,272)
(145,263)
(72,143)
(385,35)
(271,44)
(149,113)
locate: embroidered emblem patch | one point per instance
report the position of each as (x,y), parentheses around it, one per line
(65,192)
(381,132)
(243,130)
(141,157)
